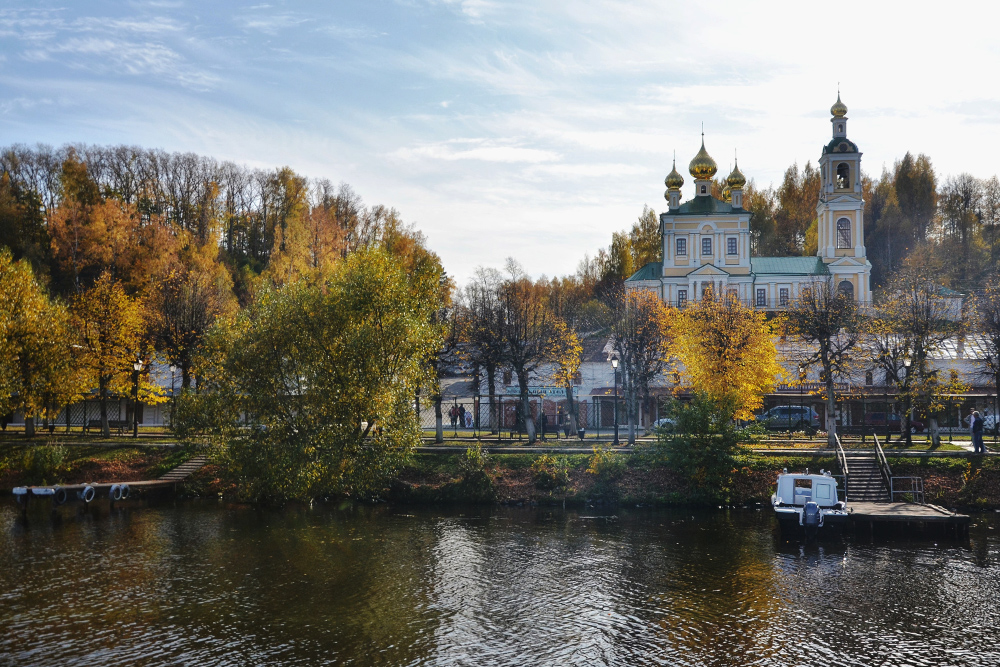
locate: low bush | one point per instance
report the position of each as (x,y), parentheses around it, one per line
(549,473)
(42,463)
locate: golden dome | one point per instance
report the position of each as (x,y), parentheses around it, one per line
(736,179)
(727,194)
(702,166)
(839,110)
(674,180)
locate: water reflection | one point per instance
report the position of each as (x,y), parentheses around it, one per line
(206,583)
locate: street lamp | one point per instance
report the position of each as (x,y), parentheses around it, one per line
(173,396)
(906,364)
(614,366)
(802,373)
(136,368)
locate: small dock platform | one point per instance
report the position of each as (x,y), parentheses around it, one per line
(115,491)
(911,518)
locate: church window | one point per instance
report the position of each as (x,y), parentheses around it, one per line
(761,297)
(846,287)
(682,298)
(843,176)
(840,128)
(783,296)
(706,246)
(869,379)
(843,233)
(682,246)
(704,190)
(731,246)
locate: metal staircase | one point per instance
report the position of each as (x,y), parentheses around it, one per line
(865,482)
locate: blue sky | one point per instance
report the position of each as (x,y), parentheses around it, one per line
(532,130)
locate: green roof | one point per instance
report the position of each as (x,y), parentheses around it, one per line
(789,266)
(652,271)
(834,146)
(705,206)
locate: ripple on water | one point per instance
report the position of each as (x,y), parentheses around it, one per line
(203,584)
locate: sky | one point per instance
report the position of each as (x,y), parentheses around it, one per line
(530,130)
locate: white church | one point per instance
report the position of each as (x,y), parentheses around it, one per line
(706,241)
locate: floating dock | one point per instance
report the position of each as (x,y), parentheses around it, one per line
(874,519)
(114,491)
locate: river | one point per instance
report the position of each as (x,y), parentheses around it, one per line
(207,583)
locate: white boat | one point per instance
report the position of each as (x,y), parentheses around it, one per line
(808,503)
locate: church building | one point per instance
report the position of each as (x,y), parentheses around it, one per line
(706,241)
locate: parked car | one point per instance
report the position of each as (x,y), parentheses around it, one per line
(665,423)
(795,417)
(877,419)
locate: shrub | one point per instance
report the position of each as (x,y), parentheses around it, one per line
(607,466)
(477,483)
(550,473)
(42,463)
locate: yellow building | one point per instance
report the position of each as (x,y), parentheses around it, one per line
(706,241)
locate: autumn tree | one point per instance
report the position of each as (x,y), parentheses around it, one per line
(728,353)
(566,356)
(528,330)
(826,320)
(313,383)
(112,330)
(478,323)
(912,319)
(984,325)
(37,368)
(640,336)
(195,292)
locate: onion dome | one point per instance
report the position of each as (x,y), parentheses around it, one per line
(727,194)
(702,167)
(674,180)
(839,110)
(736,179)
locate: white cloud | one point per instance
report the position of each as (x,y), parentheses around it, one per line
(481,150)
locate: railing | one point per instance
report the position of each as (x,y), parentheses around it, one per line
(883,464)
(842,462)
(915,489)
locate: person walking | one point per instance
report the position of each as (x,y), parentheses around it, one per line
(461,416)
(453,414)
(977,433)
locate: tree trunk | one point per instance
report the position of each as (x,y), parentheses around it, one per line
(29,426)
(935,431)
(529,423)
(185,374)
(632,411)
(491,374)
(571,409)
(103,391)
(438,420)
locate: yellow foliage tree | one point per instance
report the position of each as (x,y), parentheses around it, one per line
(566,352)
(36,371)
(728,353)
(112,330)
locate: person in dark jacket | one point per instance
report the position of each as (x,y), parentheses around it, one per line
(977,433)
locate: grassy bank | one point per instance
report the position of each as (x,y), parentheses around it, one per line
(56,463)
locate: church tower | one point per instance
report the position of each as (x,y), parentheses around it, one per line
(840,210)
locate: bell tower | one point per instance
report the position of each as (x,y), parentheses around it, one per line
(840,210)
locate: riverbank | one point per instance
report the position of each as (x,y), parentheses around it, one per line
(524,478)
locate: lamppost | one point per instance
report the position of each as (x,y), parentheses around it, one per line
(173,397)
(906,364)
(614,366)
(802,374)
(136,368)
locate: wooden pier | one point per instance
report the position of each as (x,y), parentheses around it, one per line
(876,519)
(114,491)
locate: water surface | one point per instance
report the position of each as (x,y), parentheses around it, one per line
(203,583)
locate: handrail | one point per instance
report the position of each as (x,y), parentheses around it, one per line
(842,461)
(883,464)
(916,490)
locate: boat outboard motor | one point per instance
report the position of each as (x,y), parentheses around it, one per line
(811,517)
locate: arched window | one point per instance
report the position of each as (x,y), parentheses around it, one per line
(846,288)
(843,233)
(704,189)
(843,176)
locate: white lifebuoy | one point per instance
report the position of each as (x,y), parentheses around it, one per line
(87,494)
(60,496)
(125,491)
(115,493)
